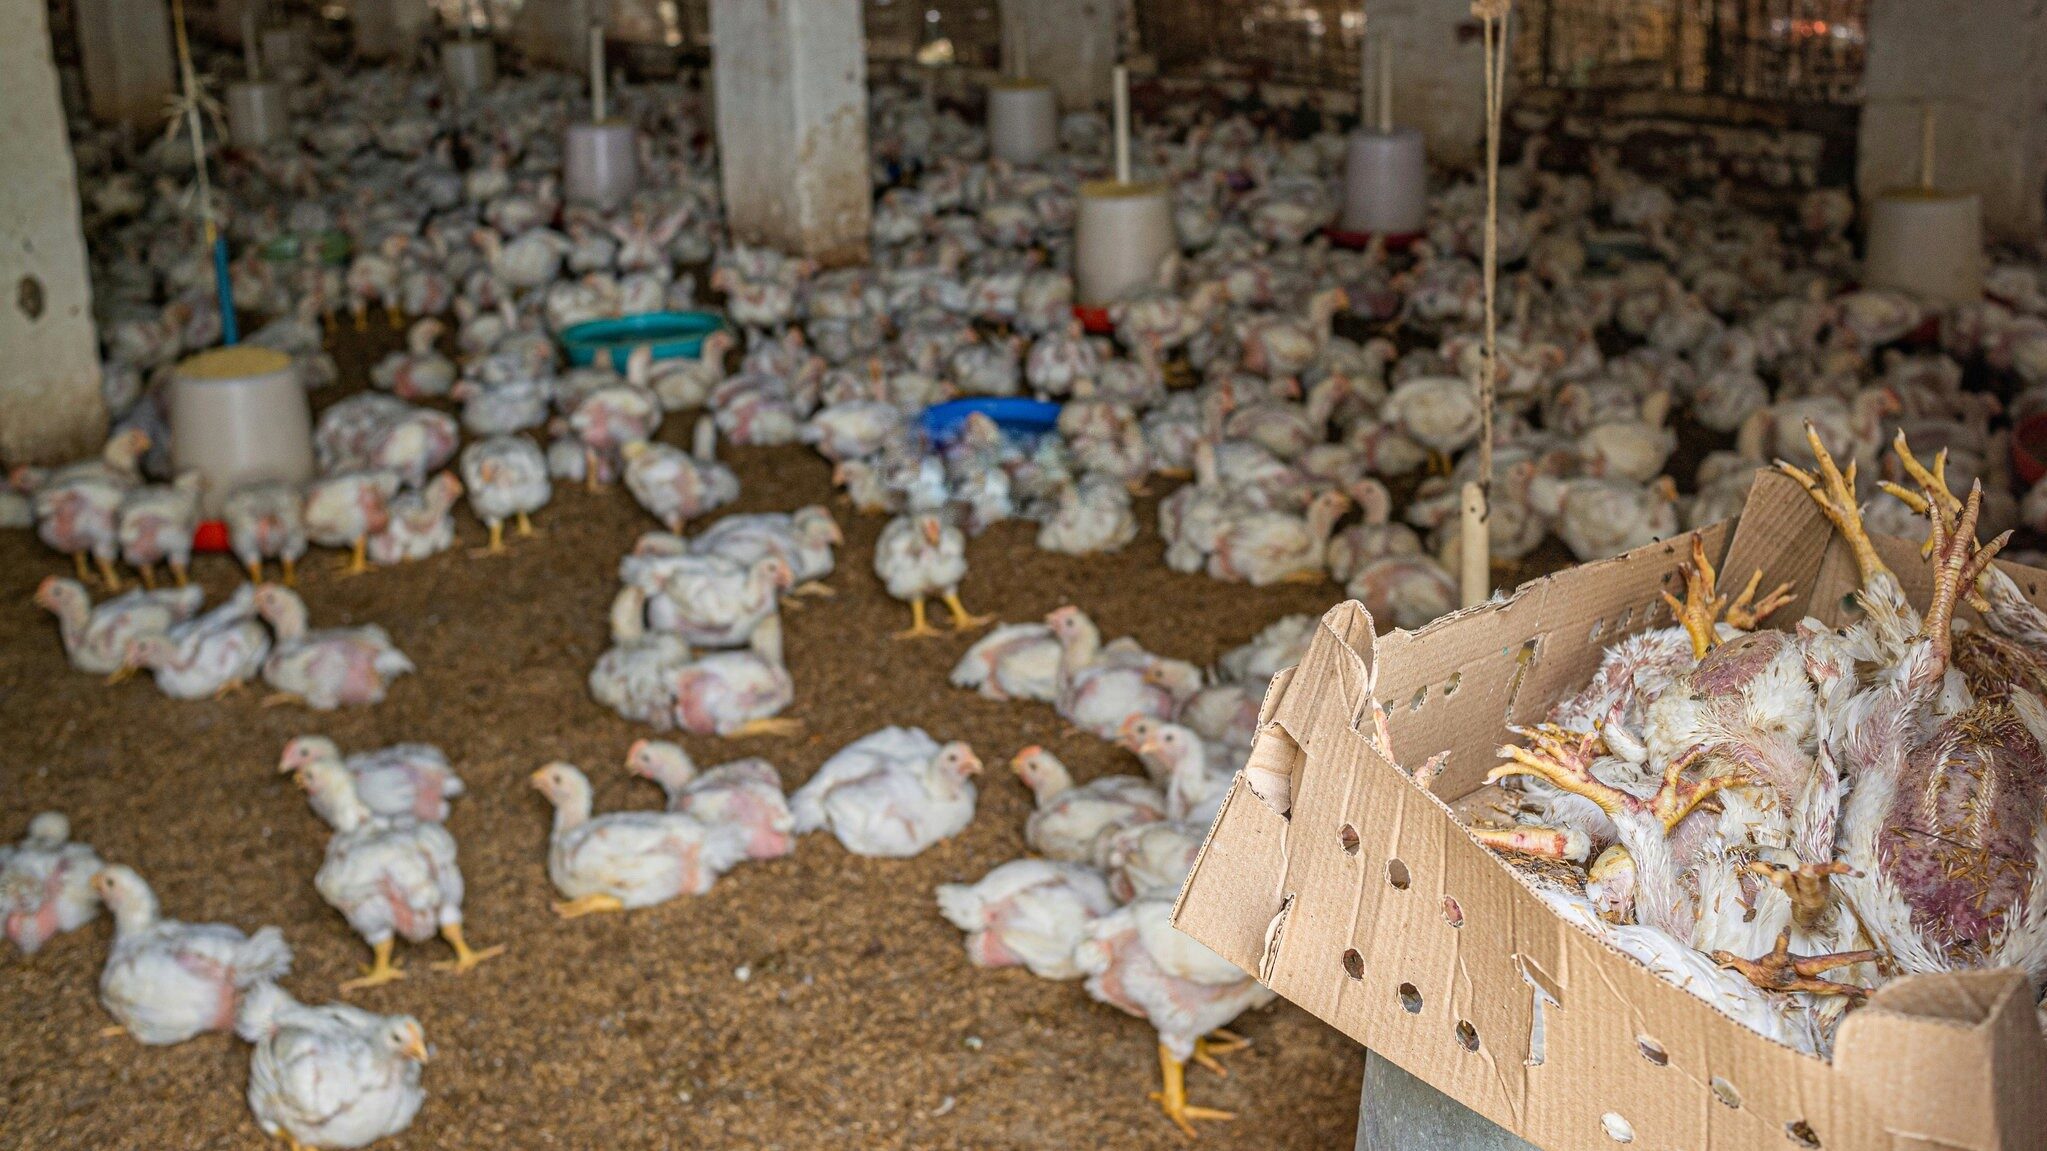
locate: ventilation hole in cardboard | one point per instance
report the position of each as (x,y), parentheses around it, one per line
(1653,1051)
(1452,913)
(1725,1093)
(1598,629)
(1800,1132)
(1421,696)
(1353,963)
(1451,685)
(1348,836)
(1627,617)
(1410,999)
(1617,1129)
(1397,874)
(1467,1036)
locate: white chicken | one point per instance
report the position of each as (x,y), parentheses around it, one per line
(1151,860)
(627,859)
(636,676)
(344,511)
(97,638)
(803,539)
(333,1075)
(738,693)
(328,668)
(746,793)
(708,600)
(46,884)
(919,557)
(413,780)
(210,655)
(890,794)
(675,486)
(1102,686)
(157,523)
(266,521)
(1028,912)
(506,478)
(389,876)
(1015,661)
(421,523)
(1073,822)
(166,981)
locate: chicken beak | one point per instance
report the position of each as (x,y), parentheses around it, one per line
(973,764)
(932,531)
(415,1048)
(1017,761)
(1149,747)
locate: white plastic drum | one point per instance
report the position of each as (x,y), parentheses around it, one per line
(239,415)
(256,113)
(1385,183)
(1124,231)
(470,65)
(601,164)
(1023,121)
(124,47)
(1926,242)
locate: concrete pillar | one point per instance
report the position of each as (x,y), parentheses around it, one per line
(50,405)
(125,49)
(1438,73)
(555,33)
(791,82)
(1977,61)
(1072,46)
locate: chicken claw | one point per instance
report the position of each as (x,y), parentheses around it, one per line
(465,958)
(1834,491)
(108,575)
(1932,481)
(1747,611)
(1564,758)
(358,562)
(381,970)
(782,727)
(525,523)
(1808,885)
(962,620)
(919,628)
(1957,562)
(496,546)
(1217,1042)
(1535,840)
(1172,1099)
(816,588)
(1703,602)
(587,905)
(1782,971)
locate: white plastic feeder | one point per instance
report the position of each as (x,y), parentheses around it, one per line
(256,113)
(1124,228)
(469,65)
(1023,121)
(238,416)
(1386,170)
(1923,240)
(601,161)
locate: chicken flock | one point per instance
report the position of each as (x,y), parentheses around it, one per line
(1627,311)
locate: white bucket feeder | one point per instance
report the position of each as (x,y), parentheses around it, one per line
(239,416)
(469,63)
(1385,174)
(256,109)
(1125,228)
(1926,241)
(1023,114)
(600,163)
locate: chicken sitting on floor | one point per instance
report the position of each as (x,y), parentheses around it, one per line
(745,793)
(890,794)
(1032,912)
(97,638)
(389,877)
(46,883)
(1137,962)
(921,556)
(210,656)
(327,668)
(627,859)
(1076,822)
(329,1076)
(166,981)
(405,779)
(1015,661)
(737,694)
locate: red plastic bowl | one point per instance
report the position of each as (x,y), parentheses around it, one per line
(1359,241)
(210,536)
(2029,449)
(1094,320)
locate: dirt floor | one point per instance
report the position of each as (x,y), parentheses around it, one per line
(816,1001)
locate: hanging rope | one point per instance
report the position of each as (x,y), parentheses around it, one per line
(191,110)
(1494,14)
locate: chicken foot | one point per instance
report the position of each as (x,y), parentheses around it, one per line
(1809,886)
(814,588)
(108,576)
(358,561)
(1218,1042)
(496,546)
(1957,562)
(784,727)
(1565,758)
(1172,1096)
(587,905)
(1834,491)
(963,620)
(1705,605)
(1536,840)
(525,525)
(381,970)
(148,574)
(465,958)
(1782,971)
(919,627)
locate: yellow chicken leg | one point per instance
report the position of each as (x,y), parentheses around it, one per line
(108,575)
(526,527)
(962,620)
(358,559)
(179,574)
(587,905)
(464,957)
(291,574)
(496,547)
(148,572)
(255,571)
(918,628)
(785,727)
(381,970)
(1218,1042)
(816,588)
(84,573)
(1172,1098)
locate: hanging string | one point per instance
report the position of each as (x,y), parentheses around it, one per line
(1494,14)
(191,109)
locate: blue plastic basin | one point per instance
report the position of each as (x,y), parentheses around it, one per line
(1021,419)
(672,335)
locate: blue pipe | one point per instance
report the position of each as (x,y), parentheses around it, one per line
(229,333)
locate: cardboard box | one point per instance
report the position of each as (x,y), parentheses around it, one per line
(1367,904)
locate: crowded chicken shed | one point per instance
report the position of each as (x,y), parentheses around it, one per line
(997,575)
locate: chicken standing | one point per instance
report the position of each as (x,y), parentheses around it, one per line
(921,556)
(627,859)
(46,884)
(266,520)
(890,794)
(506,478)
(332,1075)
(344,511)
(388,875)
(166,981)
